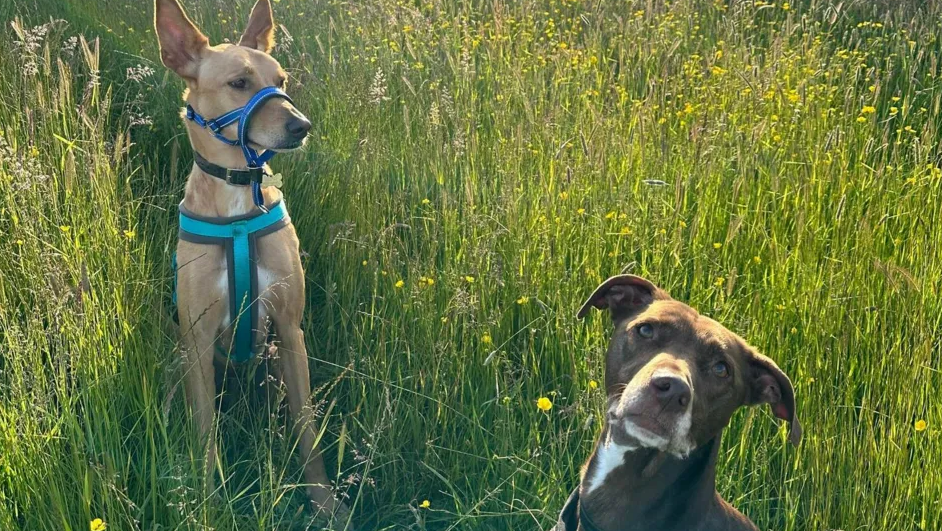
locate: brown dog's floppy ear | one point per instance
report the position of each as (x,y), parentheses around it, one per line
(260,32)
(769,385)
(181,43)
(622,293)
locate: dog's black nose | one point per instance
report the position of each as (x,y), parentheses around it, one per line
(298,127)
(671,392)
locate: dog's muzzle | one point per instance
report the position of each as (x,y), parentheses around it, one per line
(655,411)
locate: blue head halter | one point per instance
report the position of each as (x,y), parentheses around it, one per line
(242,115)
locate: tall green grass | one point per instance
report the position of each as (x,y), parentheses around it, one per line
(775,165)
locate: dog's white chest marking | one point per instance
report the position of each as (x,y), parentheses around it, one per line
(266,292)
(222,285)
(609,456)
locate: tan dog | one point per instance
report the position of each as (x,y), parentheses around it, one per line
(218,79)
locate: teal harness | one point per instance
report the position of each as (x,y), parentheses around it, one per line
(238,235)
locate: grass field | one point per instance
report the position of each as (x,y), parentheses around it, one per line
(475,169)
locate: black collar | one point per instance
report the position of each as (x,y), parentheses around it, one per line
(237,177)
(572,516)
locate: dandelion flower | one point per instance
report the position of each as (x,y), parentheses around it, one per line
(921,425)
(544,404)
(97,525)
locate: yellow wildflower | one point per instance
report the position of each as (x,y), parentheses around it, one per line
(425,504)
(400,283)
(469,279)
(97,525)
(487,339)
(544,404)
(593,384)
(921,425)
(717,245)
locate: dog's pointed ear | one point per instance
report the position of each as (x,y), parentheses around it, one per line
(768,384)
(181,43)
(260,32)
(622,294)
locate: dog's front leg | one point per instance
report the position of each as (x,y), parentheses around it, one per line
(292,355)
(200,383)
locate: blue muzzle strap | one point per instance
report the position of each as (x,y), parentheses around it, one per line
(238,236)
(242,116)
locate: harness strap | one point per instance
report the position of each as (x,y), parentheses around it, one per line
(238,235)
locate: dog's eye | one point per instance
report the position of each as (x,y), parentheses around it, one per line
(238,84)
(721,370)
(646,330)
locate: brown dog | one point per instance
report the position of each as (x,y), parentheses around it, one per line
(674,378)
(219,79)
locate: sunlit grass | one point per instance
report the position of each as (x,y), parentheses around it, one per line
(475,170)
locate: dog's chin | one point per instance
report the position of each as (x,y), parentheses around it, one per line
(278,147)
(643,431)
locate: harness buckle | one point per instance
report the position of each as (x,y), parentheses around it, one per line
(213,126)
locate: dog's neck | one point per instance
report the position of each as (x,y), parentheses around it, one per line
(626,489)
(212,197)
